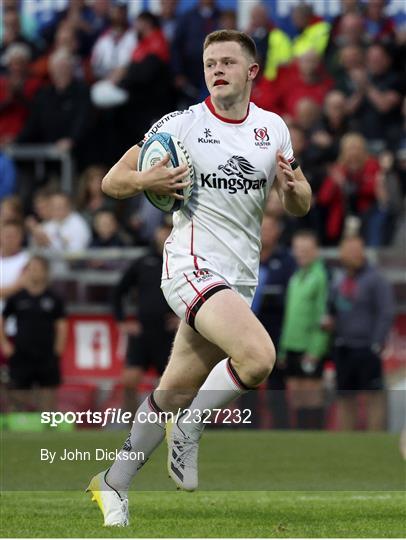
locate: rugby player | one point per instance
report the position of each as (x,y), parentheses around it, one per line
(211,260)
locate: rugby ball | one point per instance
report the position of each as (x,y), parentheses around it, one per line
(152,151)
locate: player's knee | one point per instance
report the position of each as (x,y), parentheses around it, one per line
(258,360)
(174,399)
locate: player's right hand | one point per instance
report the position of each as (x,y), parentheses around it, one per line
(164,181)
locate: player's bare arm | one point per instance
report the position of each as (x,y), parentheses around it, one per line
(124,180)
(292,187)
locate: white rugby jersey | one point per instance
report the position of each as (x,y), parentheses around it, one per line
(235,166)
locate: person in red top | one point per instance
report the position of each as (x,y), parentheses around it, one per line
(305,78)
(17,89)
(148,78)
(351,188)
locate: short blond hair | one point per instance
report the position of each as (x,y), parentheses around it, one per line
(246,42)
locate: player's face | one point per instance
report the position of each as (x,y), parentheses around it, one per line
(227,70)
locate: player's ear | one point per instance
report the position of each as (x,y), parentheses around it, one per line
(253,71)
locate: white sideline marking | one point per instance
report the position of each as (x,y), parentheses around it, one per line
(351,497)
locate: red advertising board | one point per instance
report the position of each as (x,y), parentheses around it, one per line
(95,348)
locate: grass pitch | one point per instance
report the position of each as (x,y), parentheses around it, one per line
(254,484)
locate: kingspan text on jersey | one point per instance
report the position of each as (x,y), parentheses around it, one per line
(232,185)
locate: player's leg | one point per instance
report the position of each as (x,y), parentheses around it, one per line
(226,320)
(191,360)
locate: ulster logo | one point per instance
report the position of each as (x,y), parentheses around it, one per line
(261,137)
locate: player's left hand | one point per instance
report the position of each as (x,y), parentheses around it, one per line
(285,173)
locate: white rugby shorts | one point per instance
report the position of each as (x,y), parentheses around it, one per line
(187,291)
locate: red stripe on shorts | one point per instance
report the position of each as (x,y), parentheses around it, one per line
(192,234)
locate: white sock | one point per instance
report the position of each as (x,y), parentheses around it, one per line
(222,386)
(144,437)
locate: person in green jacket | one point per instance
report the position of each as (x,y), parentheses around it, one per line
(304,343)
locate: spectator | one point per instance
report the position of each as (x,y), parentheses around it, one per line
(11,209)
(276,267)
(60,112)
(349,33)
(13,259)
(39,341)
(350,189)
(168,18)
(389,197)
(66,39)
(66,232)
(304,343)
(228,19)
(12,34)
(361,309)
(88,23)
(41,213)
(305,154)
(307,114)
(350,57)
(192,28)
(141,220)
(151,336)
(42,204)
(306,78)
(312,32)
(333,125)
(7,175)
(148,78)
(107,231)
(347,6)
(90,198)
(378,26)
(375,99)
(112,51)
(258,28)
(303,151)
(273,45)
(17,90)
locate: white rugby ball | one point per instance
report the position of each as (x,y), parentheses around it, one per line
(152,151)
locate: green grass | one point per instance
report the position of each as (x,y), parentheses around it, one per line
(253,484)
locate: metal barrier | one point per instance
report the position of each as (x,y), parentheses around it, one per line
(39,154)
(78,270)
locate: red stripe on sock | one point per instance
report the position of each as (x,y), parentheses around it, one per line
(233,377)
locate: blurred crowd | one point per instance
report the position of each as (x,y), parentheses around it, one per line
(318,315)
(93,81)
